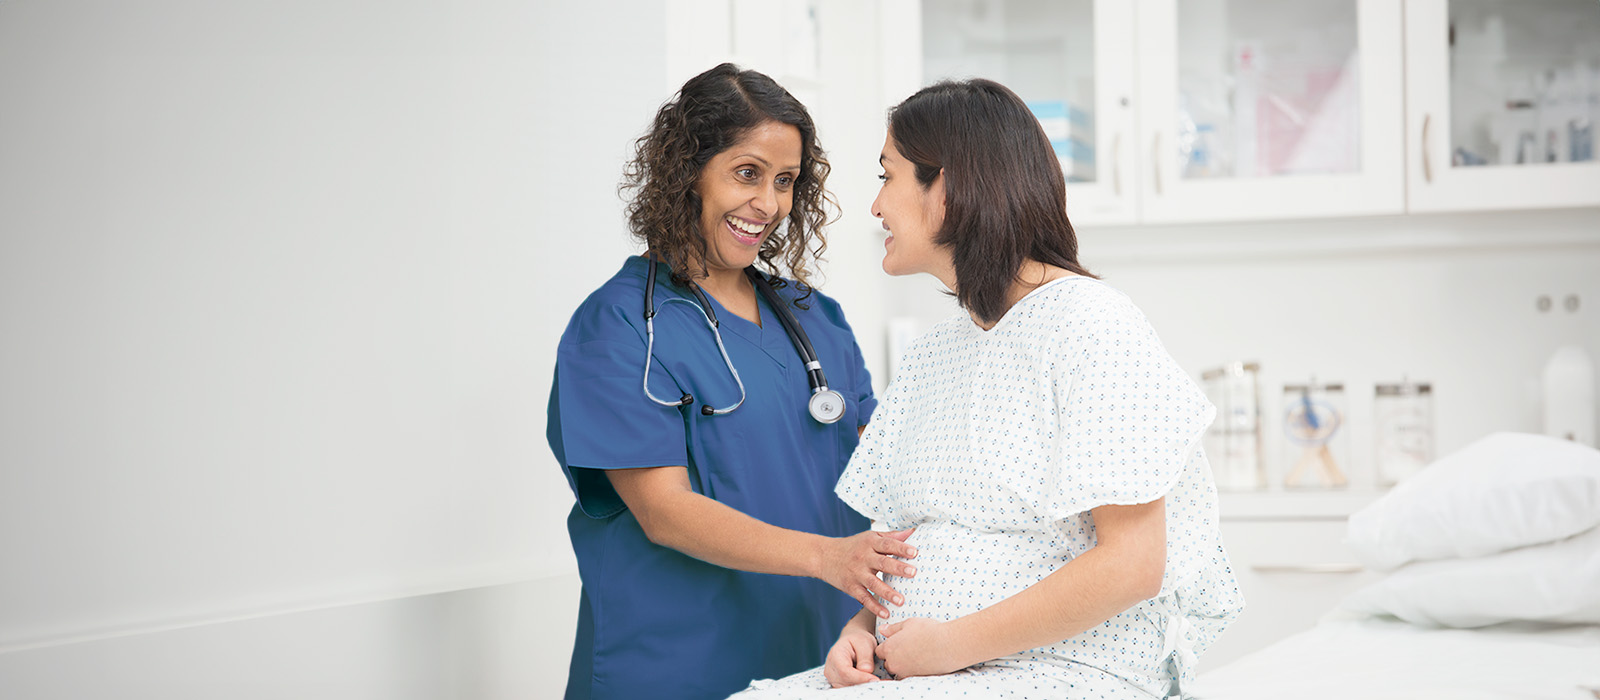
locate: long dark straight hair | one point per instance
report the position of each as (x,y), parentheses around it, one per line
(1005,197)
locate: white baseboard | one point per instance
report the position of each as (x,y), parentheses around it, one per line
(272,604)
(502,640)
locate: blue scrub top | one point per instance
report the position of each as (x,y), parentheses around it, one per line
(653,622)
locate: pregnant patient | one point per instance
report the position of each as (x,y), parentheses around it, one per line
(1042,442)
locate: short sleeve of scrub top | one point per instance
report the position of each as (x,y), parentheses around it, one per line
(866,399)
(600,359)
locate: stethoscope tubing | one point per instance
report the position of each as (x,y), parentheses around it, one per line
(650,346)
(706,312)
(791,326)
(826,405)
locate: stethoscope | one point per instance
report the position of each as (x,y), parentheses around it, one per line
(825,405)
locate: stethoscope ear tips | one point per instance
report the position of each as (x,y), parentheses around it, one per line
(686,400)
(707,410)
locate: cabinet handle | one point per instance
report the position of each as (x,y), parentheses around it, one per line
(1116,165)
(1427,163)
(1306,568)
(1155,155)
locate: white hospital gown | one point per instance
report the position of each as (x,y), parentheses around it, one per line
(995,445)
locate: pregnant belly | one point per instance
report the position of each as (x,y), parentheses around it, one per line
(961,571)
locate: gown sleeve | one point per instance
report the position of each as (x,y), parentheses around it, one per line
(599,417)
(1130,417)
(862,486)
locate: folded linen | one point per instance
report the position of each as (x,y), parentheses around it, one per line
(1504,491)
(1550,582)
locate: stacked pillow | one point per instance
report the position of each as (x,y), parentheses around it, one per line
(1507,528)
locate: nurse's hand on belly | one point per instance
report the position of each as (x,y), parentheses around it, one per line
(851,564)
(673,515)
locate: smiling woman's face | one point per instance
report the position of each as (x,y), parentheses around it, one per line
(745,193)
(913,215)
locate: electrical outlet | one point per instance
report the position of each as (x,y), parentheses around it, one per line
(1570,302)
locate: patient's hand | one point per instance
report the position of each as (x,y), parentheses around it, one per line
(850,661)
(851,564)
(919,647)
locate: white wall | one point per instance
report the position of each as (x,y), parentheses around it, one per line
(280,287)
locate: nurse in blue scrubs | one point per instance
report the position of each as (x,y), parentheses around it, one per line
(710,543)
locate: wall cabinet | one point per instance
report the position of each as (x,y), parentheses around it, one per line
(1073,62)
(1169,111)
(1260,109)
(1502,103)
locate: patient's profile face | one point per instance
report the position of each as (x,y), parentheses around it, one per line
(912,214)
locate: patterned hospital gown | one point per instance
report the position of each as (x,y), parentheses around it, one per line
(995,445)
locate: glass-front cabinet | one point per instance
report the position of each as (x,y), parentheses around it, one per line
(1503,97)
(1168,111)
(1072,61)
(1196,110)
(1255,109)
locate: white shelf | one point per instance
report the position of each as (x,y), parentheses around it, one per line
(1357,236)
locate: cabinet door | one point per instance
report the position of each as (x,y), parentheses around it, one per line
(1502,101)
(1072,61)
(1262,109)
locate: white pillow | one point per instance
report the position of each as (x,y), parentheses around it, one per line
(1504,491)
(1551,582)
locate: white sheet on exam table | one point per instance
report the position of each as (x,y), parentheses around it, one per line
(1377,658)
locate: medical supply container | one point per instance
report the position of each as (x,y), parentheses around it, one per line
(1402,417)
(1316,443)
(1233,442)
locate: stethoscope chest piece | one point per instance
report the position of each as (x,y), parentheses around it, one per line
(827,406)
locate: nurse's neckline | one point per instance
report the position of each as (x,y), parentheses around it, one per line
(751,306)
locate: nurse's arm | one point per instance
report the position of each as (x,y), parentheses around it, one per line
(1124,568)
(673,515)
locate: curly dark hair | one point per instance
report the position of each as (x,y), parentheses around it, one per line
(711,113)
